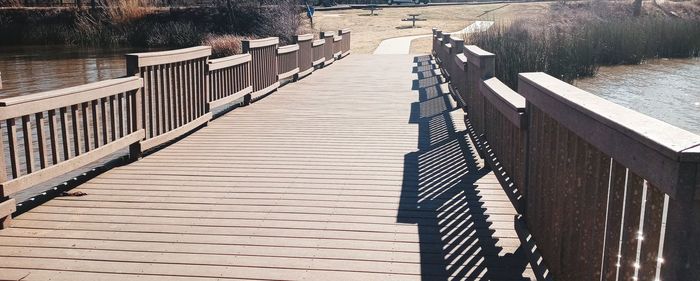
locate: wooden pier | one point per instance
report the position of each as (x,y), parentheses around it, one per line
(330,166)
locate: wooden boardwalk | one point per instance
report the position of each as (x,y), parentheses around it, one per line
(359,172)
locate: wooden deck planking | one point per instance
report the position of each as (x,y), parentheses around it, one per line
(359,172)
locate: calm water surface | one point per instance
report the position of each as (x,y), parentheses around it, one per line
(668,90)
(32,69)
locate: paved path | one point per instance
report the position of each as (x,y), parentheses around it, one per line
(357,172)
(402,45)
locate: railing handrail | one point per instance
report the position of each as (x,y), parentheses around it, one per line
(259,43)
(476,52)
(170,56)
(19,106)
(337,38)
(303,37)
(344,31)
(287,49)
(318,42)
(504,99)
(325,34)
(89,91)
(229,61)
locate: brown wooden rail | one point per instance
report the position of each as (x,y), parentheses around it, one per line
(52,133)
(319,52)
(345,45)
(174,92)
(305,55)
(337,47)
(264,67)
(164,96)
(607,193)
(287,62)
(229,79)
(328,49)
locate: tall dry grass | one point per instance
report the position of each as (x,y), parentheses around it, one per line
(137,23)
(570,51)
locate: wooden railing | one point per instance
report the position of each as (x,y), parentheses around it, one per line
(337,47)
(164,96)
(306,55)
(229,80)
(48,134)
(605,192)
(319,52)
(328,47)
(264,67)
(174,92)
(287,62)
(345,43)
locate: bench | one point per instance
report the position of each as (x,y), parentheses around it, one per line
(372,8)
(414,19)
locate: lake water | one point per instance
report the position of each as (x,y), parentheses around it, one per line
(27,70)
(668,90)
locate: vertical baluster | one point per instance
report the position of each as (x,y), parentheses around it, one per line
(105,126)
(157,100)
(180,93)
(64,133)
(151,97)
(85,111)
(120,111)
(76,137)
(53,136)
(168,97)
(128,126)
(112,119)
(41,139)
(198,95)
(28,143)
(96,128)
(3,163)
(12,143)
(195,90)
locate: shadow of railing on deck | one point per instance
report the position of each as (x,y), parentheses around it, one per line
(440,196)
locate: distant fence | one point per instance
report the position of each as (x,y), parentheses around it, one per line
(606,192)
(164,96)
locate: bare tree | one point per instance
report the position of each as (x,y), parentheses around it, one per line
(637,8)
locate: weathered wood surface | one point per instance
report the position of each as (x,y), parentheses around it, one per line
(315,182)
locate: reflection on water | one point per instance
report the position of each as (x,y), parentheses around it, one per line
(27,70)
(668,90)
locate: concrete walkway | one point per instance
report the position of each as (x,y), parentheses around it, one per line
(402,45)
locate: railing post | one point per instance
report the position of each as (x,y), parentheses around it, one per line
(306,57)
(328,37)
(480,66)
(132,69)
(437,46)
(345,46)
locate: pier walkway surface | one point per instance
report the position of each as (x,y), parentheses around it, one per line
(363,171)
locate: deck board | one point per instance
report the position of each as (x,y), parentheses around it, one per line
(361,171)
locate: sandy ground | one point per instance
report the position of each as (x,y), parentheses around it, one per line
(402,45)
(368,31)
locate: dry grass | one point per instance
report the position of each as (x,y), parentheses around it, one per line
(224,45)
(368,31)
